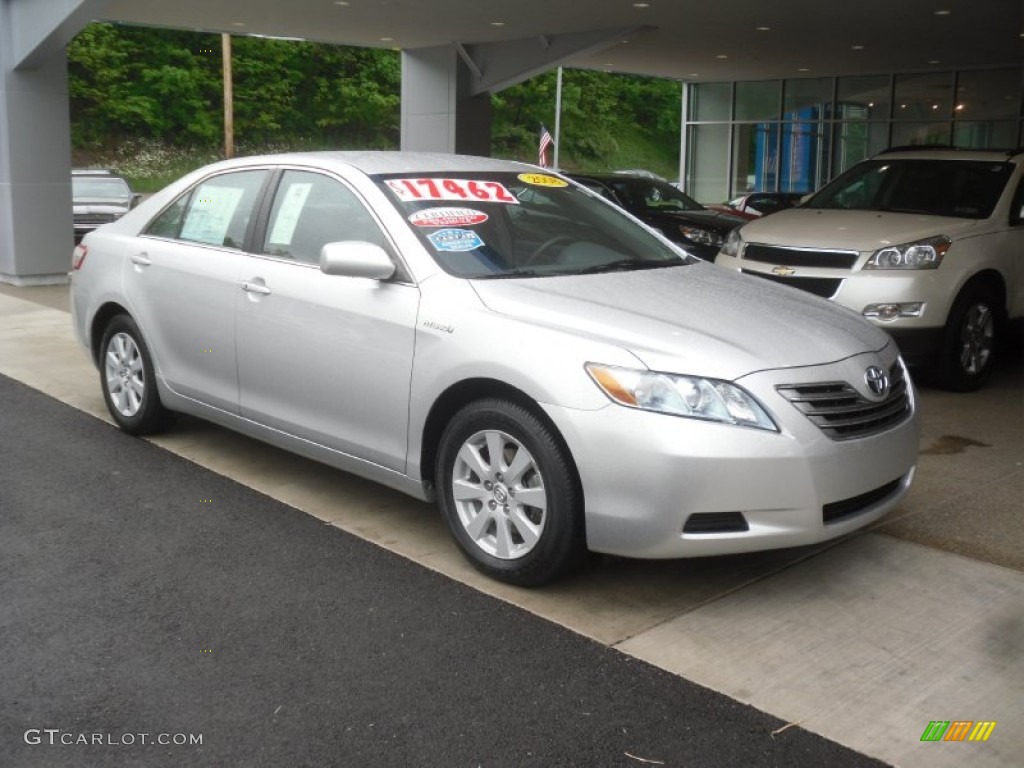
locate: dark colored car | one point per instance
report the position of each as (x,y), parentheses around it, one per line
(99,197)
(758,204)
(680,218)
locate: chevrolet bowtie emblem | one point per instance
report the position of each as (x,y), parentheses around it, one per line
(783,271)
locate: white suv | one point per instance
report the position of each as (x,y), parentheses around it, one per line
(927,243)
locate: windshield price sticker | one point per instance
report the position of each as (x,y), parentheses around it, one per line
(411,190)
(542,180)
(447,217)
(455,240)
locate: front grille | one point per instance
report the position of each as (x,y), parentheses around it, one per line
(799,257)
(716,522)
(842,413)
(838,511)
(95,218)
(825,287)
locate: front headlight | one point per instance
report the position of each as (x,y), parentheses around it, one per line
(923,254)
(690,396)
(700,235)
(733,244)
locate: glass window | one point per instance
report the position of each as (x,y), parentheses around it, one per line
(988,94)
(906,134)
(961,188)
(758,100)
(168,222)
(507,225)
(856,141)
(807,98)
(711,101)
(708,154)
(755,158)
(985,134)
(864,98)
(804,161)
(311,210)
(924,97)
(220,208)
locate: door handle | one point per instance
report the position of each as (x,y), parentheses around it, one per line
(141,260)
(255,287)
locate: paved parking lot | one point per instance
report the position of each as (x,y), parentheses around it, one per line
(864,641)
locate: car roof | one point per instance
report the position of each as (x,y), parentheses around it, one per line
(383,162)
(948,153)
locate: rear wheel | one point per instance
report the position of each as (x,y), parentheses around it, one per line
(509,493)
(969,340)
(127,379)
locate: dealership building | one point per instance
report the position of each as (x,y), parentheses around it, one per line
(774,98)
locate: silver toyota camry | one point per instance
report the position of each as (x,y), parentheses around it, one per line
(556,374)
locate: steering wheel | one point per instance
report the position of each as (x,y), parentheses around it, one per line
(533,257)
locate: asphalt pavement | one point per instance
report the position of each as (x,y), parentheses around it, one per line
(155,613)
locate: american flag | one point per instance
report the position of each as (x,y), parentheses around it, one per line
(542,151)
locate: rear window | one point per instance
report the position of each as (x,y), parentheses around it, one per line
(967,189)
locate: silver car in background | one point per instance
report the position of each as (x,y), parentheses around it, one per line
(557,375)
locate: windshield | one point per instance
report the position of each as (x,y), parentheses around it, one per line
(966,189)
(99,188)
(490,225)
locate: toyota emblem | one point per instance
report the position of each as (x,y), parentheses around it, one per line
(877,380)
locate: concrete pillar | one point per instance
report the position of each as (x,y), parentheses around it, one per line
(36,226)
(439,111)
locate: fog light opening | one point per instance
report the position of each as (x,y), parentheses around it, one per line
(889,312)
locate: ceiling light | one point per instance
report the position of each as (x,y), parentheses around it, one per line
(959,107)
(721,56)
(386,39)
(763,29)
(804,69)
(694,74)
(857,47)
(943,13)
(497,23)
(341,2)
(641,5)
(237,23)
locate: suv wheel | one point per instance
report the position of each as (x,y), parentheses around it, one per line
(969,340)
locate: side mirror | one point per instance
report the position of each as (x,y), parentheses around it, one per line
(355,258)
(136,197)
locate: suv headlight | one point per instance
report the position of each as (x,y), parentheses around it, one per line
(733,244)
(923,254)
(700,235)
(690,396)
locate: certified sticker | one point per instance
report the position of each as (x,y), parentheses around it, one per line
(542,180)
(452,240)
(447,217)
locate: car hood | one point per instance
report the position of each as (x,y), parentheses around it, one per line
(850,230)
(696,318)
(720,221)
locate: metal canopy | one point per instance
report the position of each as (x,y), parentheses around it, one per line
(691,40)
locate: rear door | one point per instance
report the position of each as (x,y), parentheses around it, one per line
(183,285)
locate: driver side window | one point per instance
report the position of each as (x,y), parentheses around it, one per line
(311,210)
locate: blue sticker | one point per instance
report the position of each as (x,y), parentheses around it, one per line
(455,240)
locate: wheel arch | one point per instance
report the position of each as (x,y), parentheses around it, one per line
(99,324)
(467,391)
(989,279)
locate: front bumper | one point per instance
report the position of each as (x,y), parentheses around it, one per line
(645,474)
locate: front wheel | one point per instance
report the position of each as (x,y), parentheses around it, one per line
(969,341)
(509,493)
(128,381)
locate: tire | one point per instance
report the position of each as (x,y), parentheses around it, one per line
(519,518)
(128,381)
(969,340)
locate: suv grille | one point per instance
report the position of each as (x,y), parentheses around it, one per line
(799,257)
(826,287)
(843,414)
